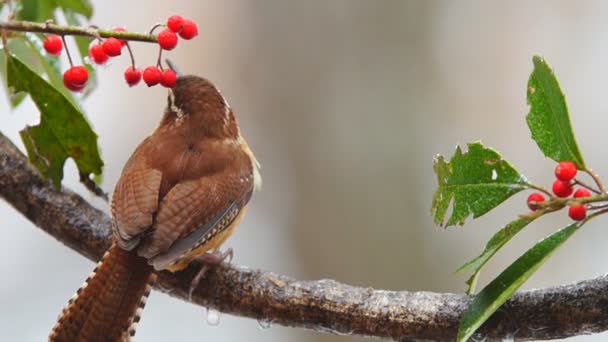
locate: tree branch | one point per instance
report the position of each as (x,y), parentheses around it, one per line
(30,26)
(323,305)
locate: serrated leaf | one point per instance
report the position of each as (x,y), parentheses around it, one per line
(474,183)
(548,118)
(63,130)
(494,245)
(499,290)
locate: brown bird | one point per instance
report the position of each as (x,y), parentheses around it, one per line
(180,195)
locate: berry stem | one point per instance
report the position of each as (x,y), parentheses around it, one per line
(586,186)
(597,213)
(160,55)
(541,189)
(30,26)
(67,51)
(155,27)
(130,54)
(596,179)
(597,207)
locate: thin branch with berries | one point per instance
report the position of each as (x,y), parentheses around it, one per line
(49,146)
(62,30)
(75,77)
(476,181)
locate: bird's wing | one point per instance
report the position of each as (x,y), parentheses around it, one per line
(194,212)
(135,201)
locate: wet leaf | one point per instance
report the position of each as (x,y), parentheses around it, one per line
(548,119)
(474,183)
(63,130)
(494,245)
(499,290)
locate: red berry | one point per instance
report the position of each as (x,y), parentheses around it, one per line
(152,76)
(75,78)
(168,78)
(120,29)
(174,23)
(73,87)
(52,44)
(167,39)
(189,29)
(579,193)
(577,212)
(97,55)
(535,197)
(132,76)
(112,46)
(565,171)
(562,189)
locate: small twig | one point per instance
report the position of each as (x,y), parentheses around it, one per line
(540,188)
(596,179)
(586,186)
(596,214)
(92,187)
(29,26)
(597,207)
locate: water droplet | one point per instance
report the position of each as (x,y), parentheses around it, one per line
(213,317)
(494,175)
(478,337)
(264,324)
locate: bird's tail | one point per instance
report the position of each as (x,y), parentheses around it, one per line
(108,305)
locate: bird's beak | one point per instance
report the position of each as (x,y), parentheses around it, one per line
(173,67)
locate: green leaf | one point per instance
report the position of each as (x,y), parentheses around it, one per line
(14,99)
(500,289)
(83,7)
(48,64)
(474,182)
(63,130)
(81,42)
(494,244)
(548,118)
(36,10)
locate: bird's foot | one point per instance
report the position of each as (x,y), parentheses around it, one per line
(209,260)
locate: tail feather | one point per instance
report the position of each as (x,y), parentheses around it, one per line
(107,306)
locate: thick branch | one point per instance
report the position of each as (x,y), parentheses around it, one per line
(30,26)
(323,305)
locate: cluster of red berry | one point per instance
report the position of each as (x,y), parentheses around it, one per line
(75,77)
(562,187)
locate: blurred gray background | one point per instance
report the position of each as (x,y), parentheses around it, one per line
(345,103)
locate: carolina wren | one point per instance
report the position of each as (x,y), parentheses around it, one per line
(180,195)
